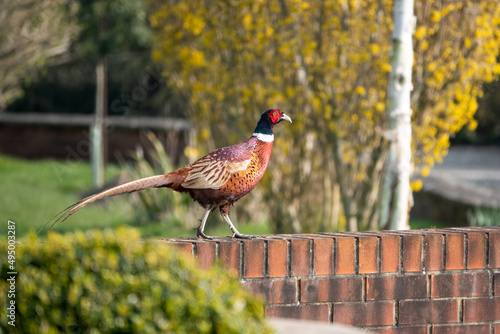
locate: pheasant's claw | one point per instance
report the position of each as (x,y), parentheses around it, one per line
(244,236)
(202,235)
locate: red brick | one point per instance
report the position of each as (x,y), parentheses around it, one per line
(229,255)
(454,251)
(331,289)
(277,258)
(459,285)
(389,257)
(319,312)
(496,283)
(482,309)
(412,253)
(368,255)
(423,329)
(344,255)
(323,256)
(494,249)
(461,329)
(433,248)
(364,314)
(182,247)
(253,258)
(392,287)
(206,253)
(412,312)
(476,250)
(496,328)
(300,257)
(274,292)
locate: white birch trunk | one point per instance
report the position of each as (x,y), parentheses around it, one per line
(396,190)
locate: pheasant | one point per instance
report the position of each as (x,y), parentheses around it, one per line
(216,180)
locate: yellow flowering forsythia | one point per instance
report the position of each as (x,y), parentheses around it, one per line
(325,63)
(455,52)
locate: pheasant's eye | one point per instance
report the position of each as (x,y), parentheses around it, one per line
(275,113)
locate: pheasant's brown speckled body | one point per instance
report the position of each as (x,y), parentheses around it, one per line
(216,180)
(253,153)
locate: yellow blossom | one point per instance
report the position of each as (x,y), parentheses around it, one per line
(472,125)
(360,90)
(420,32)
(386,68)
(425,171)
(416,185)
(194,24)
(380,106)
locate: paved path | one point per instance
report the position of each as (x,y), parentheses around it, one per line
(468,174)
(292,326)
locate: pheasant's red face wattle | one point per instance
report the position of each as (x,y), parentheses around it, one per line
(275,115)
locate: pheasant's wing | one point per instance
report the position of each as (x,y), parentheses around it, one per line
(214,170)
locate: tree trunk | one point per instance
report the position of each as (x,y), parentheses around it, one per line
(97,128)
(396,186)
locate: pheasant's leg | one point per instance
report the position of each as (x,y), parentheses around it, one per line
(236,234)
(199,230)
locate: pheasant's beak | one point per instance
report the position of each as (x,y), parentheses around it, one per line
(286,118)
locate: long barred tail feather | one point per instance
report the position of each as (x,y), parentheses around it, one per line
(157,181)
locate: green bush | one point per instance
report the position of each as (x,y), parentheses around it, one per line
(113,282)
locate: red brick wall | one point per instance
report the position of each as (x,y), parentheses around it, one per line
(419,281)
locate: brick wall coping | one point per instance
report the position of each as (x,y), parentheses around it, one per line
(415,281)
(345,253)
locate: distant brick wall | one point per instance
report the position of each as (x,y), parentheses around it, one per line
(419,281)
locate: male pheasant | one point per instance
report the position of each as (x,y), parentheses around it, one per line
(216,180)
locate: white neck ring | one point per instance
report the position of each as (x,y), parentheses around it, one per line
(264,137)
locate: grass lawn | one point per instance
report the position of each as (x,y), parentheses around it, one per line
(416,224)
(34,191)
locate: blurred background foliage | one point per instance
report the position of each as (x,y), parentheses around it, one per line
(32,33)
(109,26)
(65,82)
(325,63)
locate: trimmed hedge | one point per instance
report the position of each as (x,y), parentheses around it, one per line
(114,282)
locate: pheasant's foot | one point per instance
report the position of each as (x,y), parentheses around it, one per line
(202,235)
(245,236)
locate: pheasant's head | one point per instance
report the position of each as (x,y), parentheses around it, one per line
(271,117)
(275,116)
